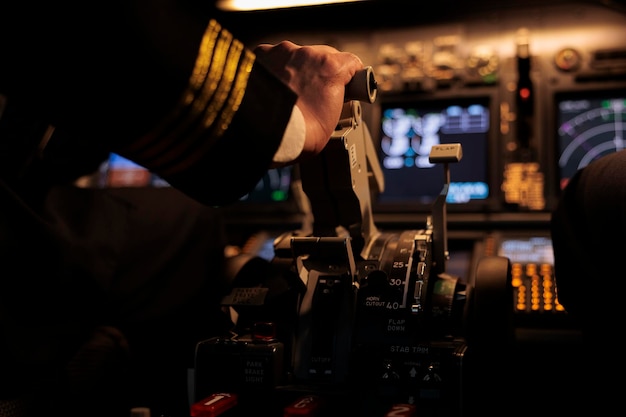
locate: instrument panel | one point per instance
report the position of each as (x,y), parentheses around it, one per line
(533,91)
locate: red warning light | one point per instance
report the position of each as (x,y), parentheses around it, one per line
(524,93)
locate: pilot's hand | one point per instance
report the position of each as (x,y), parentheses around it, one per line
(318,74)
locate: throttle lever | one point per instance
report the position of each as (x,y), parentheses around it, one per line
(337,182)
(362,86)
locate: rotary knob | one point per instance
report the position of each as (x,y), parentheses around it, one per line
(567,59)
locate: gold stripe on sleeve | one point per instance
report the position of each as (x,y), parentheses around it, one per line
(213,95)
(236,95)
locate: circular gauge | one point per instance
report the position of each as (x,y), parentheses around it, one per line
(483,63)
(567,59)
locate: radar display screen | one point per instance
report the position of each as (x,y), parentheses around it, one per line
(590,125)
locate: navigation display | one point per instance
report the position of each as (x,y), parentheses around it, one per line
(590,125)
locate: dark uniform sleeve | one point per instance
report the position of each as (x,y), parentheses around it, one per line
(155,81)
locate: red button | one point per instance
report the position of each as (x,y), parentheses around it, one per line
(214,405)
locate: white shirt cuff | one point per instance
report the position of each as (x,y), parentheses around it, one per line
(293,139)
